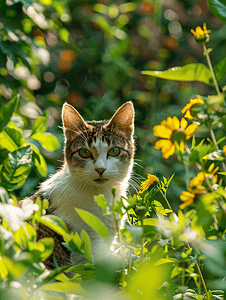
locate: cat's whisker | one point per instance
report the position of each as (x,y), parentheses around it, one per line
(138,176)
(135,163)
(86,138)
(78,133)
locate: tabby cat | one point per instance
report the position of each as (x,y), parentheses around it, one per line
(98,156)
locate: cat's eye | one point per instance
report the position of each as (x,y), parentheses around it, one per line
(84,153)
(113,152)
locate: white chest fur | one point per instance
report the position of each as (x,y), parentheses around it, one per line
(66,195)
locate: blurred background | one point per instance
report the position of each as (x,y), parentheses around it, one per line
(91,53)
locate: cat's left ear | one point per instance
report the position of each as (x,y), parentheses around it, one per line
(73,122)
(123,119)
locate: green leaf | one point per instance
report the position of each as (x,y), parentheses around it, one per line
(219,70)
(162,261)
(24,235)
(74,242)
(51,276)
(94,223)
(135,232)
(190,72)
(81,269)
(151,221)
(39,161)
(101,201)
(3,270)
(217,155)
(64,34)
(4,196)
(15,268)
(131,200)
(20,157)
(54,223)
(47,140)
(159,209)
(6,112)
(41,250)
(39,124)
(64,287)
(218,8)
(176,271)
(11,138)
(16,168)
(86,244)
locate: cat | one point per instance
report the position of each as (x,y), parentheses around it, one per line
(98,156)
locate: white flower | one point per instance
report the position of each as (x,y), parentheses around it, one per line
(14,216)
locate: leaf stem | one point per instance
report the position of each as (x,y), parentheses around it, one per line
(211,67)
(215,143)
(202,279)
(164,196)
(142,241)
(201,276)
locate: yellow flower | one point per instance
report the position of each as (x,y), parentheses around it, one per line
(198,186)
(152,179)
(188,198)
(201,35)
(173,132)
(189,106)
(224,149)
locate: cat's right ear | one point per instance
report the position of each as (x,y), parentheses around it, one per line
(73,122)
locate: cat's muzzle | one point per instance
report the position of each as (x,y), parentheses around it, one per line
(101,180)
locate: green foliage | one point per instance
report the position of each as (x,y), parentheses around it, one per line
(94,223)
(191,72)
(218,9)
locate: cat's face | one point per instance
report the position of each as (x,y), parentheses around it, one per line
(101,151)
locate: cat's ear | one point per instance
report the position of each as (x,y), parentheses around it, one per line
(123,119)
(73,122)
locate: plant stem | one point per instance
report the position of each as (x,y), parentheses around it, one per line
(218,201)
(122,250)
(142,241)
(201,276)
(186,166)
(202,279)
(215,143)
(211,68)
(164,196)
(199,270)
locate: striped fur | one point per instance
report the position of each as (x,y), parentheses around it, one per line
(80,178)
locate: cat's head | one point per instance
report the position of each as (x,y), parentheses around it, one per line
(101,151)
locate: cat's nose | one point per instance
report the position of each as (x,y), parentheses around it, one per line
(100,170)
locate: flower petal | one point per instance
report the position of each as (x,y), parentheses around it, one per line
(162,131)
(152,179)
(182,146)
(186,107)
(185,204)
(183,123)
(163,144)
(191,129)
(187,194)
(176,123)
(170,152)
(169,123)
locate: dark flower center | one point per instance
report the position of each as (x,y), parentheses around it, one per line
(178,135)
